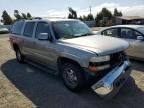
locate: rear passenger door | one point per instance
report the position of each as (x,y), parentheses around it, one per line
(136,46)
(28,39)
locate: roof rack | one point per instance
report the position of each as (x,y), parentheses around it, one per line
(36,18)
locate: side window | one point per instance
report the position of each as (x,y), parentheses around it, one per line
(110,32)
(29,27)
(129,33)
(136,33)
(42,27)
(17,27)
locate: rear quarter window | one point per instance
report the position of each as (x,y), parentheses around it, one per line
(17,27)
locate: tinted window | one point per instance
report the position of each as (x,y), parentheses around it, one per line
(42,27)
(17,27)
(110,32)
(141,29)
(29,27)
(129,33)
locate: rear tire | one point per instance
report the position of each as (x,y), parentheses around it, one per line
(19,56)
(72,76)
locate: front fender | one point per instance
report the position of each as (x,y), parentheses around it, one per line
(80,60)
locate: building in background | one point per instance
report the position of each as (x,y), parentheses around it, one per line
(129,20)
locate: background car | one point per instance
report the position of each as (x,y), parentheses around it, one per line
(4,30)
(134,34)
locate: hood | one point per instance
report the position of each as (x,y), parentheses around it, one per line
(98,44)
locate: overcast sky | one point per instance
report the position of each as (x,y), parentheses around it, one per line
(59,8)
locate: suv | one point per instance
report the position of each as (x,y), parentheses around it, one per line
(71,50)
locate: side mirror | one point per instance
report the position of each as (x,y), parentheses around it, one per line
(43,36)
(140,38)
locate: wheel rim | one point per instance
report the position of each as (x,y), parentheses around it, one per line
(70,77)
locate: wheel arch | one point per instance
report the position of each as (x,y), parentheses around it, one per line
(62,60)
(15,46)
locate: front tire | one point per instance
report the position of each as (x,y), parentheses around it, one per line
(72,76)
(19,56)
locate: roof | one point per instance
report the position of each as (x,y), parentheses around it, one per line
(130,17)
(129,26)
(51,19)
(57,19)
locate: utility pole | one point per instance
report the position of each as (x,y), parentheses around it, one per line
(90,9)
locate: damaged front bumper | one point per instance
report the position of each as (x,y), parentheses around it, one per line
(113,80)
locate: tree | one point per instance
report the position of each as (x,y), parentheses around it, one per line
(70,16)
(72,13)
(120,14)
(17,15)
(103,17)
(29,16)
(84,17)
(90,17)
(117,13)
(24,16)
(98,19)
(80,18)
(106,13)
(6,18)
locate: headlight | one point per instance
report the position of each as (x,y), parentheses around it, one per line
(100,59)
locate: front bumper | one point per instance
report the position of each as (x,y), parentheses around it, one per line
(113,80)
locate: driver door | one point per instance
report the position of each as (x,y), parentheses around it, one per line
(44,48)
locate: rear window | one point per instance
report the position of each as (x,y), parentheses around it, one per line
(29,27)
(17,27)
(141,29)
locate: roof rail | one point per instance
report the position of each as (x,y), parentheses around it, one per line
(36,18)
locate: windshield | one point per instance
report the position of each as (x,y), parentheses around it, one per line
(141,29)
(70,29)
